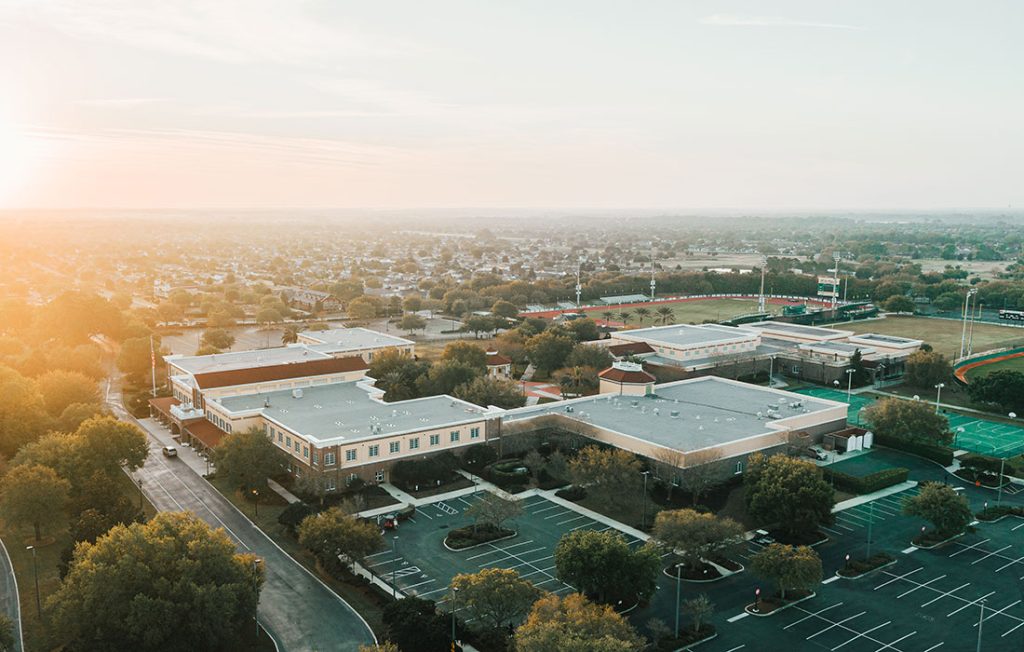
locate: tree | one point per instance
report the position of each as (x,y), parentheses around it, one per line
(6,634)
(415,626)
(860,374)
(603,566)
(397,373)
(386,646)
(477,324)
(694,536)
(268,315)
(246,459)
(290,334)
(347,290)
(34,495)
(75,414)
(495,596)
(332,533)
(486,391)
(700,610)
(788,568)
(548,350)
(642,313)
(218,338)
(362,309)
(504,309)
(136,586)
(467,353)
(60,389)
(412,303)
(589,355)
(706,471)
(1004,388)
(135,357)
(583,330)
(927,369)
(445,376)
(914,421)
(624,316)
(899,303)
(412,322)
(666,315)
(107,445)
(947,510)
(23,416)
(789,492)
(574,624)
(612,475)
(493,510)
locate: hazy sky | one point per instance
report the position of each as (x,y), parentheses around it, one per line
(511,103)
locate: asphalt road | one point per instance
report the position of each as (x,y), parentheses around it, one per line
(296,608)
(9,596)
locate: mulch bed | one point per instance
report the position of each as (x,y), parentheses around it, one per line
(858,567)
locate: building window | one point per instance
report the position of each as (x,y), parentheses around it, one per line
(374,450)
(288,442)
(379,475)
(305,451)
(454,436)
(350,455)
(739,467)
(474,433)
(351,478)
(435,440)
(297,445)
(414,443)
(316,457)
(329,458)
(393,447)
(279,436)
(330,484)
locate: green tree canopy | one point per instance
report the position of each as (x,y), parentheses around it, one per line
(415,626)
(947,510)
(444,376)
(467,353)
(486,391)
(362,309)
(134,357)
(172,584)
(548,350)
(246,459)
(927,368)
(899,303)
(218,338)
(612,475)
(788,568)
(603,566)
(789,492)
(589,355)
(574,624)
(493,510)
(495,596)
(333,532)
(34,495)
(60,388)
(696,536)
(908,420)
(504,309)
(23,416)
(1003,388)
(412,322)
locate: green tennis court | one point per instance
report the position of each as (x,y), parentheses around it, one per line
(982,436)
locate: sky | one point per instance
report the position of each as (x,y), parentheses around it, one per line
(858,104)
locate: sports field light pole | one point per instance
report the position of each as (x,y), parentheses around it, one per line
(938,395)
(849,382)
(963,331)
(455,593)
(643,519)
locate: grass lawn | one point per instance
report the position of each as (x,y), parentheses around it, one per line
(687,312)
(270,508)
(627,515)
(942,334)
(432,349)
(38,636)
(1013,364)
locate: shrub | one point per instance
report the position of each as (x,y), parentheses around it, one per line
(940,454)
(573,493)
(869,483)
(998,511)
(510,475)
(465,537)
(433,470)
(478,456)
(293,514)
(860,566)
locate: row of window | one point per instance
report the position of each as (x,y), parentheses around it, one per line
(351,455)
(217,421)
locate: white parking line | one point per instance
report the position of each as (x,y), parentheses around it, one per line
(865,635)
(972,602)
(946,594)
(896,578)
(737,617)
(905,593)
(965,547)
(838,623)
(937,645)
(491,552)
(995,552)
(576,518)
(407,588)
(1007,565)
(547,509)
(1000,611)
(812,615)
(557,515)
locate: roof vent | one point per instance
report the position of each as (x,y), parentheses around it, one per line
(674,414)
(266,402)
(297,392)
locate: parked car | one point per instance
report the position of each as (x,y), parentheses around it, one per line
(762,537)
(170,451)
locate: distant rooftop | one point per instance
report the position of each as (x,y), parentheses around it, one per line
(199,364)
(342,339)
(799,330)
(887,340)
(688,415)
(338,413)
(684,335)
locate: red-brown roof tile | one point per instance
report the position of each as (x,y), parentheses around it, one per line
(205,432)
(630,348)
(623,376)
(303,369)
(496,359)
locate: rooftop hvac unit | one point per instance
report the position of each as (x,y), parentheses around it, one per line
(674,414)
(266,402)
(297,393)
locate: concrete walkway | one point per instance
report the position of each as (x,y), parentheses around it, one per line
(283,493)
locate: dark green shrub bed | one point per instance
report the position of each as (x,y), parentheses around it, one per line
(465,537)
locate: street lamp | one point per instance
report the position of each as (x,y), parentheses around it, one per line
(394,551)
(139,481)
(256,590)
(938,395)
(455,593)
(256,501)
(643,518)
(981,621)
(956,438)
(678,582)
(35,572)
(849,382)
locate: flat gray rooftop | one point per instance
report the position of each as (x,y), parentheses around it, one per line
(198,364)
(353,338)
(345,412)
(709,412)
(887,339)
(838,347)
(686,335)
(798,329)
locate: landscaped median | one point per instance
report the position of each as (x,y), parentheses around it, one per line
(859,567)
(999,512)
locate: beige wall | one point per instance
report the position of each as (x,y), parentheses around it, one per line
(610,387)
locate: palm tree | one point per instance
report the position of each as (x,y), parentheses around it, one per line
(290,334)
(608,315)
(642,313)
(666,314)
(624,316)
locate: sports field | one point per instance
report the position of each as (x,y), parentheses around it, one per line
(1011,364)
(942,334)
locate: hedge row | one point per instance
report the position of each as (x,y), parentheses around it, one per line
(869,483)
(998,511)
(940,454)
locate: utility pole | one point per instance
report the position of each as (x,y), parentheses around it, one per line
(835,275)
(152,363)
(760,298)
(579,286)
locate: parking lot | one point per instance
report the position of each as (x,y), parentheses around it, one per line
(420,565)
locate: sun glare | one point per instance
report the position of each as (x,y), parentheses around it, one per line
(18,160)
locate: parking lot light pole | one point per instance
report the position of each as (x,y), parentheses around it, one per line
(849,383)
(139,481)
(938,395)
(679,581)
(394,551)
(455,594)
(981,621)
(643,518)
(35,572)
(999,491)
(871,522)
